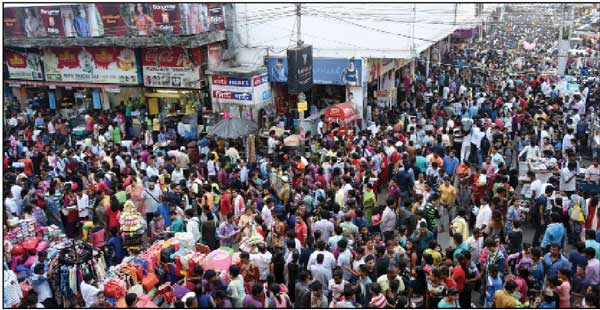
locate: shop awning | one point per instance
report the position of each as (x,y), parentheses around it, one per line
(342,112)
(233,128)
(19,83)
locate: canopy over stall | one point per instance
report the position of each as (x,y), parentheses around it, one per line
(233,128)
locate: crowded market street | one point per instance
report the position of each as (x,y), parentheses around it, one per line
(318,155)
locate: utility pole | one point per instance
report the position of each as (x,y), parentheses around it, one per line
(301,96)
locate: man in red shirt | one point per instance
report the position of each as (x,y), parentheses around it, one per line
(459,276)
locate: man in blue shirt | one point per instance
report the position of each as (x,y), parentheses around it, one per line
(450,163)
(554,232)
(164,209)
(116,242)
(554,261)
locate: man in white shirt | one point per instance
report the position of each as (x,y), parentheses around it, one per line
(475,243)
(532,152)
(88,291)
(484,216)
(11,205)
(266,213)
(262,261)
(592,173)
(567,182)
(324,226)
(567,143)
(152,198)
(329,260)
(83,204)
(272,143)
(193,225)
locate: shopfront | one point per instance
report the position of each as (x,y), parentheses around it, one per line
(175,87)
(335,80)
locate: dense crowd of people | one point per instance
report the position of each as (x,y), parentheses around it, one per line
(357,221)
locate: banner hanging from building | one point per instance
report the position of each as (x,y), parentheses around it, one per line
(82,21)
(326,71)
(24,65)
(172,67)
(300,69)
(92,64)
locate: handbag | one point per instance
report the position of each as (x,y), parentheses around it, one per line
(179,291)
(113,288)
(149,281)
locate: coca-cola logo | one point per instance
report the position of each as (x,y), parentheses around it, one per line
(159,57)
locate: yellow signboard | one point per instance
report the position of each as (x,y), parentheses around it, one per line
(302,106)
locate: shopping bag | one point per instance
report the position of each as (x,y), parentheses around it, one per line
(149,281)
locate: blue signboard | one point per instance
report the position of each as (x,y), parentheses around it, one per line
(326,71)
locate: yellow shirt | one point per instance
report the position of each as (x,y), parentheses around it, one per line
(437,257)
(447,194)
(459,226)
(504,300)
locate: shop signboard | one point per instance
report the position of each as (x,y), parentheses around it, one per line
(24,65)
(300,69)
(214,54)
(238,90)
(171,67)
(30,22)
(53,24)
(150,19)
(194,18)
(93,64)
(326,71)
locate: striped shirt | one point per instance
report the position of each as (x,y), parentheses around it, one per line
(378,301)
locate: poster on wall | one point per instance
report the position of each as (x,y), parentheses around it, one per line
(194,18)
(174,67)
(326,71)
(11,24)
(215,13)
(31,21)
(300,69)
(82,21)
(145,19)
(52,18)
(92,64)
(214,54)
(110,14)
(24,65)
(166,16)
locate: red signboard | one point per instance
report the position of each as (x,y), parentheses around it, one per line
(12,24)
(110,13)
(166,16)
(215,13)
(67,57)
(53,24)
(16,60)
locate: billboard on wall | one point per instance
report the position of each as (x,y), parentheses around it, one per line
(24,65)
(92,64)
(194,18)
(171,67)
(112,19)
(326,71)
(110,14)
(52,19)
(81,21)
(300,69)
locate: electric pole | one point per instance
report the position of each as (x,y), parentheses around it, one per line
(301,96)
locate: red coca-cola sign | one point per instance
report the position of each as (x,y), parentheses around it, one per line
(166,57)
